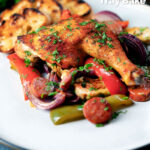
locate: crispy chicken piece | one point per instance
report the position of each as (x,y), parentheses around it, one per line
(65,42)
(50,11)
(18,25)
(87,88)
(142,33)
(56,44)
(113,54)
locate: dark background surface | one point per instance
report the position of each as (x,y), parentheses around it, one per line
(9,4)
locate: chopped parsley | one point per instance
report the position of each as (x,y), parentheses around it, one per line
(110,45)
(27,61)
(125,98)
(38,30)
(146,71)
(122,33)
(92,89)
(41,28)
(69,27)
(102,62)
(52,94)
(116,114)
(55,41)
(99,125)
(106,108)
(18,41)
(42,95)
(102,100)
(143,29)
(85,67)
(24,76)
(58,59)
(28,53)
(50,85)
(83,23)
(80,107)
(118,59)
(51,29)
(83,84)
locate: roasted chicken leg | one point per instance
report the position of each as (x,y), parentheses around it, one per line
(66,43)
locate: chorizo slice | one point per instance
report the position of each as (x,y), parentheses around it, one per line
(97,110)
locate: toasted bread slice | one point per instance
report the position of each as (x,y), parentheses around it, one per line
(78,7)
(16,9)
(51,8)
(18,25)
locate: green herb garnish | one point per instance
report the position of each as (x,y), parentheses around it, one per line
(99,125)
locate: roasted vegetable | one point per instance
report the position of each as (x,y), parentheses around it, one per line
(119,101)
(65,114)
(106,16)
(142,33)
(108,76)
(27,74)
(69,113)
(134,49)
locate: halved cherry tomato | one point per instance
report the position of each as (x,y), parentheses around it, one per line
(112,82)
(27,74)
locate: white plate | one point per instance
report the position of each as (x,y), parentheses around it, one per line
(33,129)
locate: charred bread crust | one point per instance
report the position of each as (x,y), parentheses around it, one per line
(18,25)
(78,7)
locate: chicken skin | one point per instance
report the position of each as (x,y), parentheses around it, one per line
(56,44)
(67,43)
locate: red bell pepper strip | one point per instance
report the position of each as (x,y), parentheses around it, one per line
(124,24)
(27,74)
(111,81)
(66,14)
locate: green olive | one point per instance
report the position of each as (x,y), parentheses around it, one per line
(119,101)
(65,114)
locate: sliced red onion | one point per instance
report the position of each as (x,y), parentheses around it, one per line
(134,48)
(53,77)
(71,97)
(69,94)
(46,69)
(74,99)
(45,104)
(106,16)
(148,53)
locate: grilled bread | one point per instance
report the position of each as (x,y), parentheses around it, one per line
(19,25)
(78,7)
